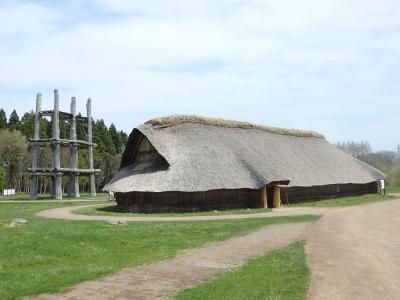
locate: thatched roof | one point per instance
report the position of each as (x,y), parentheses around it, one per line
(200,154)
(167,121)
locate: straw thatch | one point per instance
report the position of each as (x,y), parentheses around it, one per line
(200,154)
(163,122)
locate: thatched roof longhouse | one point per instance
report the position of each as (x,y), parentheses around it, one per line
(201,154)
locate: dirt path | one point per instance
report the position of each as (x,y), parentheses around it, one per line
(160,279)
(354,253)
(66,213)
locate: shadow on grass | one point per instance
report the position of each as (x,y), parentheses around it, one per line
(115,210)
(112,209)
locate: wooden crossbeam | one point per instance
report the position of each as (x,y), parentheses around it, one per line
(52,174)
(62,170)
(63,116)
(60,141)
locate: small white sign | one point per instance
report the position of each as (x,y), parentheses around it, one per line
(8,192)
(382,183)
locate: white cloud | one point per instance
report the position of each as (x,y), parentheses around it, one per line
(323,65)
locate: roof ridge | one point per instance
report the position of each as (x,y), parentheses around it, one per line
(167,121)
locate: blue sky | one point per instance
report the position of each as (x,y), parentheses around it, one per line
(329,66)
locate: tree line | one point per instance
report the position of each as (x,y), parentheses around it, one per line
(386,161)
(15,155)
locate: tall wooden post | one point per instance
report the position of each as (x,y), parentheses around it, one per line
(276,199)
(36,149)
(378,187)
(56,148)
(263,197)
(90,148)
(73,188)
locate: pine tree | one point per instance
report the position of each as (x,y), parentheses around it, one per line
(3,119)
(28,125)
(124,140)
(81,130)
(102,137)
(44,128)
(13,122)
(64,129)
(116,138)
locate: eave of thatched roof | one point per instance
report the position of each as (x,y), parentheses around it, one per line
(205,154)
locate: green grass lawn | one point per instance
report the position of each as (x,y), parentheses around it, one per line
(393,189)
(47,255)
(345,201)
(112,210)
(281,274)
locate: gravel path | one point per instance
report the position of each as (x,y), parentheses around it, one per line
(157,280)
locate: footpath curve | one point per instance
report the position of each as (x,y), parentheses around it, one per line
(66,213)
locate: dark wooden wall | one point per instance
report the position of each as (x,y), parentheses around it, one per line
(300,194)
(188,201)
(228,199)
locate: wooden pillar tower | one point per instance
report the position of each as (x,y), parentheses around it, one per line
(90,148)
(36,149)
(73,188)
(56,171)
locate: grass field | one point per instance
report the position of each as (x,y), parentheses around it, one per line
(112,210)
(47,255)
(345,201)
(282,274)
(393,189)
